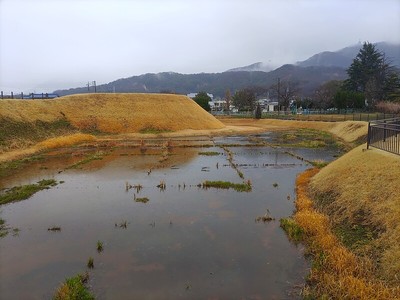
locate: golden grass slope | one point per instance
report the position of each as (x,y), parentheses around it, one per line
(336,272)
(362,187)
(115,113)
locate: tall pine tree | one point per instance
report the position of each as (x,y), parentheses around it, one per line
(371,74)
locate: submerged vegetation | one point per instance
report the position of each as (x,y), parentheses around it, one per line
(99,155)
(23,192)
(74,288)
(8,167)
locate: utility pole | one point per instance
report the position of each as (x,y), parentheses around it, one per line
(279,93)
(88,87)
(94,84)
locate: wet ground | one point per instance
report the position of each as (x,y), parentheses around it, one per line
(186,242)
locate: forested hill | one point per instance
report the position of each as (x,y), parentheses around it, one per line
(309,78)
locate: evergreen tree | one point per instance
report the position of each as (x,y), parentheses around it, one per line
(371,74)
(203,100)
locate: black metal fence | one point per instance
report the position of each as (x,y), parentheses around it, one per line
(385,135)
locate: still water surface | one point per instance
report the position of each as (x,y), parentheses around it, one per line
(184,243)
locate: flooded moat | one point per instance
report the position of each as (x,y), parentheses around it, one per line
(164,236)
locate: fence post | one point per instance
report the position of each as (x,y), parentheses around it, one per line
(369,135)
(384,131)
(12,95)
(1,94)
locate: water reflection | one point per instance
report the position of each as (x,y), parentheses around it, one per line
(184,243)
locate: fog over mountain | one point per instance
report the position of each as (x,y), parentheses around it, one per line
(309,74)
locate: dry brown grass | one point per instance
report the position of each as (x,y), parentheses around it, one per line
(337,273)
(115,113)
(362,187)
(65,141)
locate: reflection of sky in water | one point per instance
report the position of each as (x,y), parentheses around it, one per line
(184,243)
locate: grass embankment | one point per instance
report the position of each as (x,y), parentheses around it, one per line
(360,192)
(114,113)
(348,217)
(34,125)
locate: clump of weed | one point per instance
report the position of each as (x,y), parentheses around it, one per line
(162,186)
(54,228)
(23,192)
(100,247)
(142,199)
(265,218)
(123,224)
(74,288)
(209,153)
(3,228)
(137,187)
(239,187)
(90,263)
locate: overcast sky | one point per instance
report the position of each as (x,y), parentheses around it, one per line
(51,44)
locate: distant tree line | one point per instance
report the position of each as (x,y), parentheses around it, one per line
(371,80)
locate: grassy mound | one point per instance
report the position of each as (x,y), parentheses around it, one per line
(114,113)
(360,193)
(336,272)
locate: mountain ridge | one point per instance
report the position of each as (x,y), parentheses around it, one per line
(310,73)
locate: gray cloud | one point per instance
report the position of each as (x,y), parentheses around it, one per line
(45,45)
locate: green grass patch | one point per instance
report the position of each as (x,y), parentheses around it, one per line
(23,192)
(292,229)
(151,130)
(74,288)
(17,134)
(354,237)
(319,163)
(306,138)
(209,153)
(239,187)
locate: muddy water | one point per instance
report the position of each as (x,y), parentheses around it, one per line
(184,243)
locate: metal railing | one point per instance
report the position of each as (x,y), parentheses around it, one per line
(385,135)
